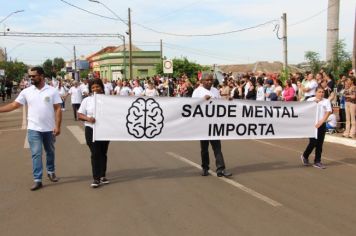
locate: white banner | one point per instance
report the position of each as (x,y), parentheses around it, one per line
(164,118)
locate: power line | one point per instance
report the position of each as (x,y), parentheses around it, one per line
(90,12)
(208,35)
(199,52)
(63,35)
(311,17)
(175,34)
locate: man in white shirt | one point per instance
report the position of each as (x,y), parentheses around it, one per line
(84,87)
(207,91)
(122,89)
(76,98)
(108,87)
(44,122)
(310,87)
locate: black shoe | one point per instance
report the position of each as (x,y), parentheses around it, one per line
(223,173)
(52,177)
(36,186)
(104,180)
(95,184)
(205,172)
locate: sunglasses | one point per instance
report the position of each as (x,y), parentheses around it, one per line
(32,76)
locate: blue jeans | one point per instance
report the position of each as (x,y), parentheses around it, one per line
(36,139)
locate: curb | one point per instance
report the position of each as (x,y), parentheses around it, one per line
(340,140)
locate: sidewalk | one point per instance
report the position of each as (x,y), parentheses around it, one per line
(337,138)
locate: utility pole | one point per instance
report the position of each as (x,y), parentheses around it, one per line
(75,65)
(130,42)
(161,49)
(285,48)
(5,54)
(354,53)
(332,28)
(125,69)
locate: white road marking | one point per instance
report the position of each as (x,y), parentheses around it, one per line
(230,181)
(9,130)
(14,111)
(26,144)
(24,123)
(340,140)
(294,150)
(78,133)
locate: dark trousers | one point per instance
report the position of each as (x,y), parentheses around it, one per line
(63,104)
(316,143)
(219,159)
(75,110)
(342,120)
(98,150)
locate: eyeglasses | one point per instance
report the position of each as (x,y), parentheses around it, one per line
(32,76)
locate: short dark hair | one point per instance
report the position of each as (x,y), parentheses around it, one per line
(207,76)
(38,69)
(96,81)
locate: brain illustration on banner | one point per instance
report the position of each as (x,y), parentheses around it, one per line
(144,118)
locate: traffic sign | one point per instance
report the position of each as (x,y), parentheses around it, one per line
(168,67)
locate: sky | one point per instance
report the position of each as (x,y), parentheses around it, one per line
(306,20)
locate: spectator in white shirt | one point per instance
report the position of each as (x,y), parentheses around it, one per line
(310,87)
(76,98)
(150,91)
(137,89)
(108,87)
(84,87)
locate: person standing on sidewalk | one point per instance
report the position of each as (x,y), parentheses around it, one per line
(350,108)
(207,91)
(44,122)
(324,109)
(98,149)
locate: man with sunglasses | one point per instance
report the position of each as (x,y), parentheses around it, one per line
(44,122)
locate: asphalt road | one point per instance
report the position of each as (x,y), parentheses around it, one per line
(156,189)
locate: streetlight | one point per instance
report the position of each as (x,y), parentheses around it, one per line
(8,52)
(122,36)
(76,76)
(12,13)
(59,43)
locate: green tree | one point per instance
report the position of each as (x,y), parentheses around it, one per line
(341,62)
(183,66)
(84,73)
(58,64)
(14,69)
(53,67)
(48,68)
(313,59)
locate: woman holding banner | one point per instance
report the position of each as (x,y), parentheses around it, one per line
(98,149)
(324,109)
